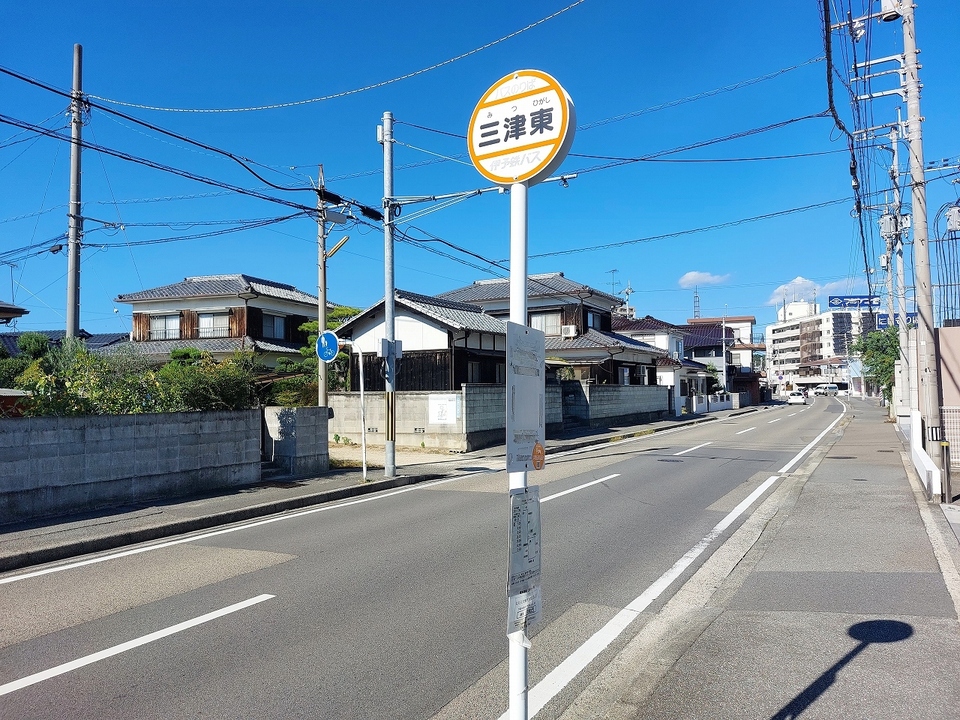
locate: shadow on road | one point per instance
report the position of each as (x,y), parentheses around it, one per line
(868,632)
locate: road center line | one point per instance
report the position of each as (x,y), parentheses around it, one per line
(791,414)
(560,677)
(773,421)
(747,430)
(695,447)
(129,645)
(579,487)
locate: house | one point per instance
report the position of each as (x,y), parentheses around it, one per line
(444,344)
(577,321)
(92,341)
(686,377)
(727,344)
(10,312)
(221,314)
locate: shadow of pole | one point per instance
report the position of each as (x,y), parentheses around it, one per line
(868,632)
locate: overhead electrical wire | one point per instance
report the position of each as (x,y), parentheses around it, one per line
(346,93)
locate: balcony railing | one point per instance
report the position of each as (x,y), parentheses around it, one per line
(214,332)
(165,334)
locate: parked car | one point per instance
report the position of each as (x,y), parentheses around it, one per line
(796,398)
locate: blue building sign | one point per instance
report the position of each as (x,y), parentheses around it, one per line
(883,320)
(853,302)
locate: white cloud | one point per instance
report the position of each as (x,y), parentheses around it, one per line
(694,278)
(797,289)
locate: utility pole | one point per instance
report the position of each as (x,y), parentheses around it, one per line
(926,352)
(75,232)
(386,138)
(321,285)
(903,372)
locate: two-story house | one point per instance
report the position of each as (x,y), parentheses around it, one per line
(577,321)
(683,375)
(444,344)
(221,314)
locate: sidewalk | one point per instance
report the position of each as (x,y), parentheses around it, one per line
(837,598)
(26,544)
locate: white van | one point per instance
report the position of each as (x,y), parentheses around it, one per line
(826,389)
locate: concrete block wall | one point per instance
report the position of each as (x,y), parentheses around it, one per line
(57,466)
(413,426)
(296,439)
(640,402)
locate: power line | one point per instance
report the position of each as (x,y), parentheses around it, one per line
(346,93)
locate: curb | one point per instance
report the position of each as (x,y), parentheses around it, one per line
(133,537)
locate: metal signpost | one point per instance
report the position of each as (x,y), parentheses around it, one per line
(519,133)
(328,345)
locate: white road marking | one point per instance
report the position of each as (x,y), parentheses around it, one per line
(695,447)
(773,421)
(579,487)
(560,677)
(791,414)
(799,455)
(129,645)
(747,430)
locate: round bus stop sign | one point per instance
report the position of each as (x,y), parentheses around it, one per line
(538,456)
(521,129)
(328,345)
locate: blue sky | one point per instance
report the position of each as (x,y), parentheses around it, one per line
(615,58)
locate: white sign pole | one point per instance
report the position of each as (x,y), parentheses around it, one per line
(520,132)
(518,641)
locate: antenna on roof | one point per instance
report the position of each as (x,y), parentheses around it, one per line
(696,302)
(613,281)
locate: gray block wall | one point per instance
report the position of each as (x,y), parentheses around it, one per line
(296,439)
(59,466)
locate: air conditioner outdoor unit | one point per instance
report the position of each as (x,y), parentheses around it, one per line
(676,355)
(568,331)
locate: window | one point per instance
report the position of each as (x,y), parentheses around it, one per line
(273,326)
(214,325)
(501,373)
(473,372)
(593,320)
(547,323)
(165,327)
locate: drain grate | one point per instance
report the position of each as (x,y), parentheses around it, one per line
(860,480)
(840,457)
(669,460)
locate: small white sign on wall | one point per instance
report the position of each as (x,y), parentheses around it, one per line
(444,409)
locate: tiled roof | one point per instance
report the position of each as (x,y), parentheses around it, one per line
(452,314)
(459,316)
(538,286)
(704,335)
(162,348)
(9,339)
(668,362)
(644,324)
(220,286)
(595,339)
(8,311)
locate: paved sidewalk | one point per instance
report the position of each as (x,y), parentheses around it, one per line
(837,598)
(27,544)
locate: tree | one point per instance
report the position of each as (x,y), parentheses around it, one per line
(33,344)
(879,350)
(299,386)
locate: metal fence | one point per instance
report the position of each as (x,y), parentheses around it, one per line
(950,419)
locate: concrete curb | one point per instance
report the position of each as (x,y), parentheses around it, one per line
(148,534)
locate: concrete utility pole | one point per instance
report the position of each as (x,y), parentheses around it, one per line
(75,232)
(903,373)
(386,138)
(321,286)
(926,350)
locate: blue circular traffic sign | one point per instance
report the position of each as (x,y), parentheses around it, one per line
(327,345)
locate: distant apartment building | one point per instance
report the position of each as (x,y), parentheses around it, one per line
(806,347)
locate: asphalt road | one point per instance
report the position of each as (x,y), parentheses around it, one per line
(391,605)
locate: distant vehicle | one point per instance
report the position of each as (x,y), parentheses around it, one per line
(844,393)
(796,398)
(826,389)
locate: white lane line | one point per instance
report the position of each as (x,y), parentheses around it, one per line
(791,414)
(579,487)
(224,531)
(129,645)
(747,430)
(773,421)
(695,447)
(560,677)
(799,455)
